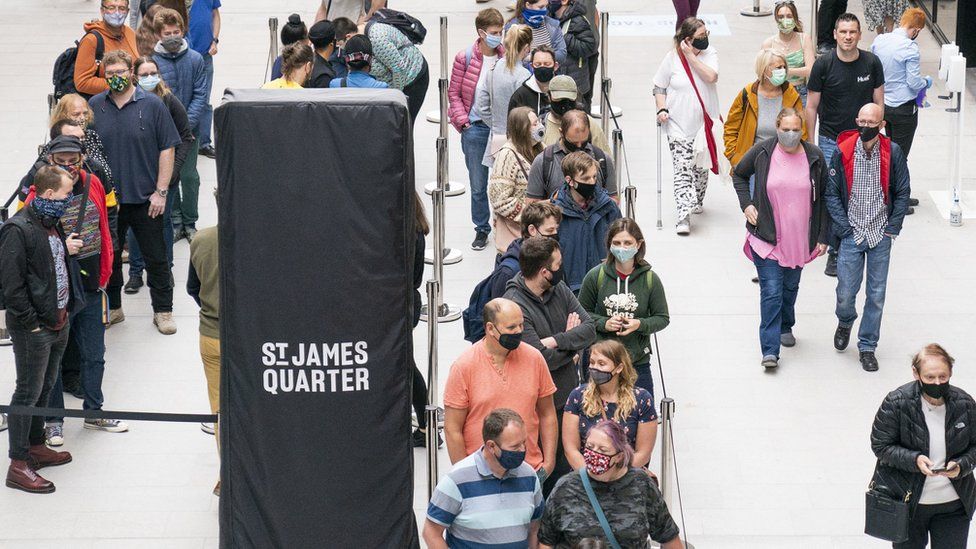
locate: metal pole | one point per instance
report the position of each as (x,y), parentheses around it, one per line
(433,296)
(756,10)
(605,107)
(660,160)
(811,26)
(444,312)
(617,139)
(451,188)
(272,47)
(667,458)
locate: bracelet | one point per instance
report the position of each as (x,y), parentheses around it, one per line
(663,110)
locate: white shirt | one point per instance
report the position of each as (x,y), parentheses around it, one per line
(938,489)
(683,107)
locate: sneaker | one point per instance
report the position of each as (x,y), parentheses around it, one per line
(116,316)
(133,285)
(419,439)
(683,227)
(842,337)
(5,340)
(698,209)
(189,233)
(54,434)
(480,241)
(831,268)
(164,323)
(770,362)
(178,234)
(787,339)
(755,280)
(868,361)
(208,151)
(107,425)
(3,422)
(208,428)
(913,202)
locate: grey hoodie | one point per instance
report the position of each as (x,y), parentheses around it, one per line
(546,317)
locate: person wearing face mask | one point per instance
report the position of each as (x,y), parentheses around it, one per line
(546,176)
(554,323)
(344,29)
(358,56)
(500,371)
(923,439)
(534,92)
(563,97)
(491,498)
(627,496)
(545,29)
(185,72)
(74,108)
(538,219)
(685,94)
(582,45)
(752,115)
(296,66)
(797,48)
(626,298)
(471,67)
(588,212)
(510,174)
(610,394)
(501,81)
(780,183)
(35,277)
(867,196)
(90,72)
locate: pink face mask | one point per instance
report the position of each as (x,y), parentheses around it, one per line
(596,463)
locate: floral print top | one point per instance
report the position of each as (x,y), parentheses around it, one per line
(643,413)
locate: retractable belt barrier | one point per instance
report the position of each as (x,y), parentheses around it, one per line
(107,414)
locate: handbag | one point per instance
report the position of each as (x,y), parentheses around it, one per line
(607,531)
(709,130)
(885,517)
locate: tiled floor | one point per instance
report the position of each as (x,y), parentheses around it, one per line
(773,461)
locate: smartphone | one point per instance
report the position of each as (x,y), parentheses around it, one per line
(938,470)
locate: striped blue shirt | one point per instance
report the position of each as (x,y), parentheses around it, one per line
(482,511)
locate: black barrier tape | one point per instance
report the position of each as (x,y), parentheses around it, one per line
(105,414)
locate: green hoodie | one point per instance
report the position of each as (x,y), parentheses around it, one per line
(651,305)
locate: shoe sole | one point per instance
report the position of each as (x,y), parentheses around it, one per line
(40,466)
(682,232)
(788,345)
(131,291)
(104,429)
(54,444)
(208,431)
(478,248)
(15,486)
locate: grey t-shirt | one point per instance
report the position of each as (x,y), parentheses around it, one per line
(768,111)
(541,187)
(352,9)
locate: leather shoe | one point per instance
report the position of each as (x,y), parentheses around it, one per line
(913,202)
(842,337)
(910,211)
(41,456)
(831,268)
(868,361)
(21,477)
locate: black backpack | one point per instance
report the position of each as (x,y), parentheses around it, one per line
(64,67)
(409,25)
(474,328)
(548,157)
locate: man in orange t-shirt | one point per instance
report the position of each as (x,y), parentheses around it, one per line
(501,372)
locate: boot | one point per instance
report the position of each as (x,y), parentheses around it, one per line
(41,456)
(21,477)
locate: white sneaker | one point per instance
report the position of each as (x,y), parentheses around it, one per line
(3,422)
(208,428)
(164,323)
(683,227)
(53,434)
(107,425)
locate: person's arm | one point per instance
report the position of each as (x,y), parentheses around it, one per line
(13,277)
(834,198)
(707,72)
(199,99)
(886,439)
(166,159)
(87,80)
(580,40)
(193,284)
(580,337)
(183,127)
(503,188)
(386,50)
(798,107)
(732,122)
(877,97)
(913,75)
(588,296)
(536,188)
(558,43)
(456,110)
(900,189)
(548,431)
(215,23)
(323,12)
(658,307)
(454,432)
(534,534)
(644,447)
(810,111)
(571,440)
(106,250)
(434,535)
(373,8)
(554,357)
(610,184)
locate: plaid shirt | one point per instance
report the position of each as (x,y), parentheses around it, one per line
(867,212)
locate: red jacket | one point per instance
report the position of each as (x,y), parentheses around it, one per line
(846,142)
(96,195)
(464,82)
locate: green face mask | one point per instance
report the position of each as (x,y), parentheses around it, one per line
(117,82)
(778,77)
(786,24)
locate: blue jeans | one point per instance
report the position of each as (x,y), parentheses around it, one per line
(645,380)
(474,141)
(851,261)
(778,287)
(136,263)
(829,148)
(802,90)
(89,334)
(202,131)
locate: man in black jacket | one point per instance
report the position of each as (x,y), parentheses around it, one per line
(534,92)
(37,293)
(322,35)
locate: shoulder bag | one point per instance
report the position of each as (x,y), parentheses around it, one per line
(710,130)
(885,517)
(607,531)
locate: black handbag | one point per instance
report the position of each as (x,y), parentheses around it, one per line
(886,517)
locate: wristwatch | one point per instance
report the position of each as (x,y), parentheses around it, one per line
(162,192)
(216,40)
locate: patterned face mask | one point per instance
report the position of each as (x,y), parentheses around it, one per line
(117,82)
(597,463)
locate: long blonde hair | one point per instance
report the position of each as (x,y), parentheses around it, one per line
(63,107)
(517,38)
(626,402)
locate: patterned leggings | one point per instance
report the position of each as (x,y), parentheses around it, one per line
(690,181)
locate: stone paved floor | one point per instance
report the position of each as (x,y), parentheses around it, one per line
(773,461)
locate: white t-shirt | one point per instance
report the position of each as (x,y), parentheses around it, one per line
(938,489)
(683,107)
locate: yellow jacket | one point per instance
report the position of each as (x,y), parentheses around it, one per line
(740,124)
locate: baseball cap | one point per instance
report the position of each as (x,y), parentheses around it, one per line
(64,143)
(562,87)
(322,34)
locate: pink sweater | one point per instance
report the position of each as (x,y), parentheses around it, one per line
(464,82)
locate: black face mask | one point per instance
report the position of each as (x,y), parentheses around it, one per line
(584,190)
(557,277)
(934,390)
(510,341)
(573,147)
(554,236)
(562,106)
(700,43)
(544,74)
(600,377)
(868,133)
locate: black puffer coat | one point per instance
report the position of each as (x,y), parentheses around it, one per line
(581,46)
(900,435)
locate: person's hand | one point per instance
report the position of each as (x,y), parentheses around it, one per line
(752,215)
(572,321)
(628,327)
(662,118)
(952,470)
(686,48)
(549,343)
(821,249)
(213,49)
(73,243)
(925,465)
(614,324)
(157,205)
(35,330)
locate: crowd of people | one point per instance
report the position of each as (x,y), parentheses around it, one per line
(550,416)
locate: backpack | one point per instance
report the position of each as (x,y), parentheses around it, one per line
(63,77)
(648,279)
(410,26)
(474,328)
(548,157)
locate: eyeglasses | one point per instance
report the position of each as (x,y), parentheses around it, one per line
(116,73)
(115,9)
(867,123)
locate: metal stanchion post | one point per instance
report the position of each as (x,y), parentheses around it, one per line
(660,177)
(433,296)
(451,188)
(755,10)
(811,26)
(630,193)
(445,312)
(667,459)
(605,109)
(272,47)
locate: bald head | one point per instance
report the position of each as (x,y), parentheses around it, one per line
(501,312)
(870,112)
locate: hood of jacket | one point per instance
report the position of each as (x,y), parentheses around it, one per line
(163,52)
(532,84)
(518,283)
(573,9)
(514,251)
(601,201)
(107,32)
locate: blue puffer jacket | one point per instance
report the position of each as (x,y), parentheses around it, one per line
(184,73)
(557,41)
(583,234)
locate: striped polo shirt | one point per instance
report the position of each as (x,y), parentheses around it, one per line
(481,510)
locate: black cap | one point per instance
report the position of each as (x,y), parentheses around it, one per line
(358,48)
(322,34)
(64,143)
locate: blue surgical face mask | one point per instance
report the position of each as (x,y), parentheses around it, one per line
(149,82)
(493,40)
(51,207)
(623,254)
(534,18)
(116,19)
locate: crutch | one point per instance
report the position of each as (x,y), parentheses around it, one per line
(659,177)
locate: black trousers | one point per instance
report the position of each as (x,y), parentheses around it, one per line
(830,10)
(149,235)
(562,466)
(946,523)
(37,358)
(901,123)
(416,92)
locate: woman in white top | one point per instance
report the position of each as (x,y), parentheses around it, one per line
(797,47)
(924,436)
(500,82)
(680,112)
